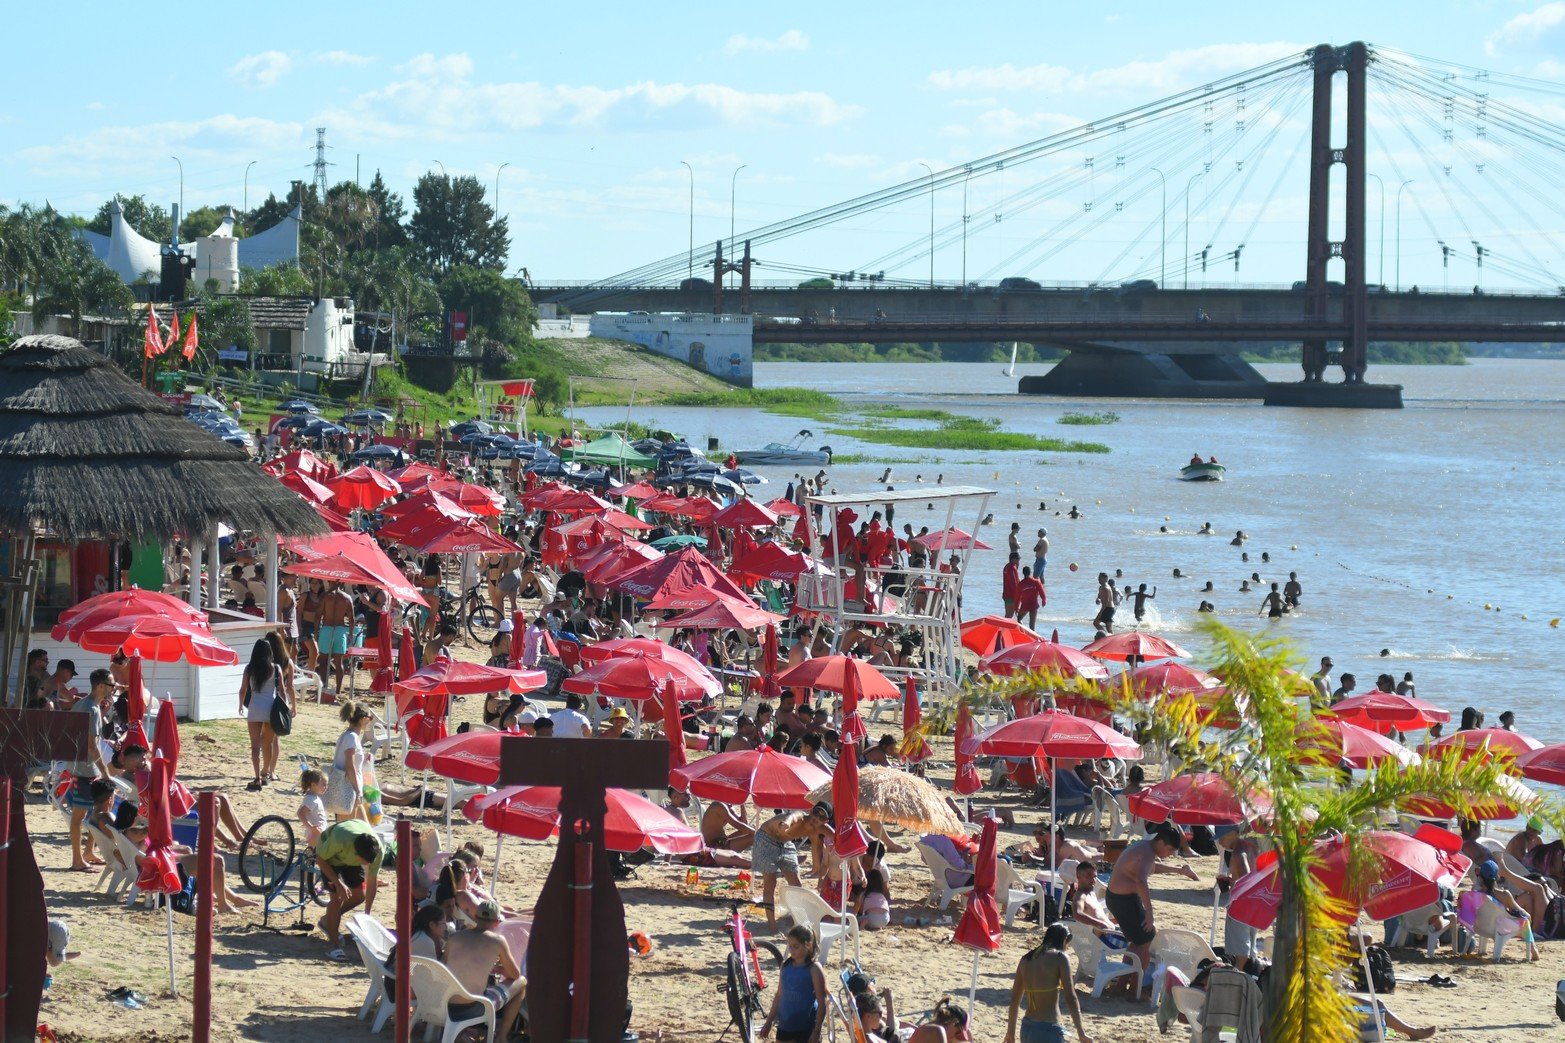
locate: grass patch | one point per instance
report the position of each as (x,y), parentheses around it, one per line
(799,402)
(902,413)
(844,459)
(1088,419)
(980,437)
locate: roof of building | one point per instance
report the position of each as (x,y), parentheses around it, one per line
(279,313)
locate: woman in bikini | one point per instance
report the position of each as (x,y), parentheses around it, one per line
(1043,977)
(309,623)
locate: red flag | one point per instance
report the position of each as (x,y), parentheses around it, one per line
(853,729)
(173,333)
(967,780)
(980,926)
(190,338)
(673,728)
(152,345)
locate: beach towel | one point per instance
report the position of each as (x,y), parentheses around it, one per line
(1233,1004)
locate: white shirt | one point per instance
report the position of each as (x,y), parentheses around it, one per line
(314,807)
(569,724)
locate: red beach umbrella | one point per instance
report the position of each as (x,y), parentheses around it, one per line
(307,487)
(1379,710)
(1335,740)
(967,780)
(449,677)
(447,537)
(362,487)
(1056,734)
(1202,799)
(831,673)
(1484,742)
(673,729)
(406,663)
(1150,679)
(1508,804)
(722,614)
(988,634)
(744,514)
(159,867)
(161,639)
(472,757)
(773,561)
(1044,657)
(135,704)
(785,508)
(634,677)
(980,927)
(850,840)
(951,539)
(636,491)
(762,775)
(427,502)
(304,462)
(676,574)
(1406,874)
(1135,643)
(607,561)
(102,608)
(631,822)
(1545,764)
(645,647)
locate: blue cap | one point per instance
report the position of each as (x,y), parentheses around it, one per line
(1490,870)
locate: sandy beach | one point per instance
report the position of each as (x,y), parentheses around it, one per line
(280,987)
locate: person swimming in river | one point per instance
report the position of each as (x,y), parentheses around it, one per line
(1205,530)
(1208,589)
(1273,604)
(1238,540)
(1244,588)
(1074,513)
(1207,606)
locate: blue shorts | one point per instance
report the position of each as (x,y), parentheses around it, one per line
(81,793)
(333,640)
(1042,1032)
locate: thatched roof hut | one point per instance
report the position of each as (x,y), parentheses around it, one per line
(85,452)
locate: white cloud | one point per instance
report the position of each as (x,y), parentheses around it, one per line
(792,40)
(1526,28)
(216,136)
(438,96)
(1176,71)
(343,58)
(847,160)
(261,70)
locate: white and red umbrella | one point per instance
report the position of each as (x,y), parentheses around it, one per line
(159,639)
(1380,711)
(362,487)
(1044,657)
(637,678)
(762,775)
(1332,740)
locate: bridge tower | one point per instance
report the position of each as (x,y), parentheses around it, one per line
(1352,60)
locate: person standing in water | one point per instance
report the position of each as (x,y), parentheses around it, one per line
(1106,601)
(1141,597)
(1272,604)
(1040,553)
(1291,591)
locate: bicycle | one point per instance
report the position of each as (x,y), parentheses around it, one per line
(269,858)
(745,981)
(472,609)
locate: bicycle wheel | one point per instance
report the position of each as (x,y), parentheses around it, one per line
(483,619)
(311,887)
(742,1000)
(768,973)
(265,853)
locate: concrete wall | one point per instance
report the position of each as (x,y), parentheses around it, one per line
(328,332)
(718,344)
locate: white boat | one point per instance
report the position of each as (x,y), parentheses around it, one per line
(786,453)
(1211,472)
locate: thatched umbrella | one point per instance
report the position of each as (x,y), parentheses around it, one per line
(86,452)
(895,797)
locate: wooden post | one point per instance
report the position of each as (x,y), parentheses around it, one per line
(201,1002)
(578,936)
(28,737)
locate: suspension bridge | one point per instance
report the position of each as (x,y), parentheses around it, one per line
(1167,207)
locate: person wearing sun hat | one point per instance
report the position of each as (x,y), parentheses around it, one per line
(472,954)
(616,725)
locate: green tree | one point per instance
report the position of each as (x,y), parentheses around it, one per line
(203,220)
(390,281)
(276,280)
(497,307)
(390,212)
(350,215)
(151,220)
(452,224)
(226,322)
(41,252)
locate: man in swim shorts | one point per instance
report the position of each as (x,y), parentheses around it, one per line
(336,622)
(1129,899)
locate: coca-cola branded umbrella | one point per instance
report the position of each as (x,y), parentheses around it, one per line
(914,746)
(775,562)
(307,487)
(637,678)
(77,623)
(363,487)
(980,927)
(450,677)
(161,639)
(744,514)
(159,871)
(722,614)
(1380,711)
(426,502)
(351,557)
(762,775)
(447,536)
(673,729)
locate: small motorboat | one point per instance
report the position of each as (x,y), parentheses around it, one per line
(1207,472)
(784,454)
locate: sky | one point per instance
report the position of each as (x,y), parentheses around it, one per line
(592,110)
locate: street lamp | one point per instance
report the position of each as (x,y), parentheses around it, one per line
(931,170)
(1400,187)
(442,167)
(1162,277)
(690,257)
(181,195)
(497,189)
(733,187)
(1382,184)
(1193,178)
(247,184)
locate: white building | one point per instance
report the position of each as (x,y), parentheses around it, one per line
(218,256)
(717,344)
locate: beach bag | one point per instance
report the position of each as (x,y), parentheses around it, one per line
(1559,1001)
(340,798)
(1382,972)
(1553,925)
(282,717)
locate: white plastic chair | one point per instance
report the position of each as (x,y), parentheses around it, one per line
(1174,947)
(1494,924)
(941,893)
(435,988)
(305,679)
(127,854)
(1117,807)
(375,966)
(1099,962)
(1019,893)
(116,871)
(1416,923)
(376,934)
(1190,1002)
(810,909)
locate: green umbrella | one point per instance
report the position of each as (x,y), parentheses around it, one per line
(611,449)
(679,539)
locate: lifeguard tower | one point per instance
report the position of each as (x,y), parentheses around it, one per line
(504,403)
(929,602)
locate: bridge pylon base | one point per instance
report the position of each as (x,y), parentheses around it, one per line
(1334,396)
